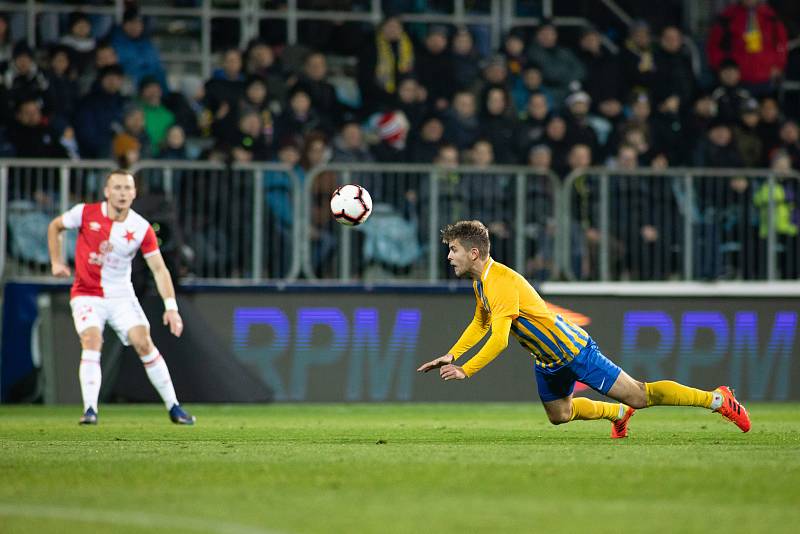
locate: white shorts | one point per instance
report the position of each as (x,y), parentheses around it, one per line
(121,313)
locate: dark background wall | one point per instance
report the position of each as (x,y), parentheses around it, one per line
(364,345)
(321,346)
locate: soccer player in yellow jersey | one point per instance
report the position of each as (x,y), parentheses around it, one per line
(563,352)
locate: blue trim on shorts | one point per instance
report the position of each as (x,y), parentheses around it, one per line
(590,366)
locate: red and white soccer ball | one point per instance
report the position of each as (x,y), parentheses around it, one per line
(351,205)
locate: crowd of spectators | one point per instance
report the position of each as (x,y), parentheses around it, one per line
(82,97)
(535,101)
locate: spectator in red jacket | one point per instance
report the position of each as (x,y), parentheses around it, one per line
(751,34)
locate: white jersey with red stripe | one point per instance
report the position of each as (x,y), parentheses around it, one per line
(106,248)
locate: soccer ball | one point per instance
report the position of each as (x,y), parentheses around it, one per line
(351,204)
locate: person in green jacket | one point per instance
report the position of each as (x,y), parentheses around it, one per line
(786,216)
(157,118)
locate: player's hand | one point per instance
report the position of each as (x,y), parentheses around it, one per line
(452,372)
(223,110)
(60,270)
(173,319)
(435,364)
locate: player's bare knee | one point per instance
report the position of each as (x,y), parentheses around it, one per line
(143,345)
(91,341)
(639,398)
(637,403)
(559,418)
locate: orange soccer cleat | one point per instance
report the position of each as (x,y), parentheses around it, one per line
(619,428)
(732,410)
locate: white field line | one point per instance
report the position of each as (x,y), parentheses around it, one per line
(127,519)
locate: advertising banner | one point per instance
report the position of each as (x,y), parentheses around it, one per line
(364,345)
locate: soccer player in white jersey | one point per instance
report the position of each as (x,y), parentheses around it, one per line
(109,235)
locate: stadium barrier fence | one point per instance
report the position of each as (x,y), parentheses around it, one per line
(255,222)
(680,224)
(410,205)
(212,221)
(187,34)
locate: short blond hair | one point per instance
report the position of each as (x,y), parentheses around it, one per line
(120,172)
(471,234)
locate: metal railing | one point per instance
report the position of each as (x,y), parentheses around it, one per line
(680,223)
(212,220)
(412,203)
(35,191)
(497,15)
(248,13)
(255,222)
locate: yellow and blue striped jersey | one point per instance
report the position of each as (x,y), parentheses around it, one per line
(501,292)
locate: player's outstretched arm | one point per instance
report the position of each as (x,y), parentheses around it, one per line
(54,231)
(472,334)
(163,279)
(497,343)
(435,364)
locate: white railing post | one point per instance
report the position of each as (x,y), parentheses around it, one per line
(258,224)
(496,26)
(433,225)
(3,217)
(558,212)
(566,209)
(506,16)
(30,24)
(248,13)
(520,222)
(63,201)
(375,12)
(291,22)
(169,186)
(688,223)
(458,12)
(547,8)
(565,229)
(299,226)
(308,266)
(346,243)
(205,39)
(771,237)
(604,230)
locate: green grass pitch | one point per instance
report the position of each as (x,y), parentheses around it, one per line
(404,468)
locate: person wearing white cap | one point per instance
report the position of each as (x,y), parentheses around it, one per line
(392,130)
(578,128)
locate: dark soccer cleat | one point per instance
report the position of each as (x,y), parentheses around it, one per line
(88,418)
(619,428)
(732,410)
(179,416)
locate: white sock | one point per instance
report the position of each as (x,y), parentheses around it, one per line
(716,401)
(90,377)
(622,410)
(158,373)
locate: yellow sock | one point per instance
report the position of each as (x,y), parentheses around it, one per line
(669,393)
(587,409)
